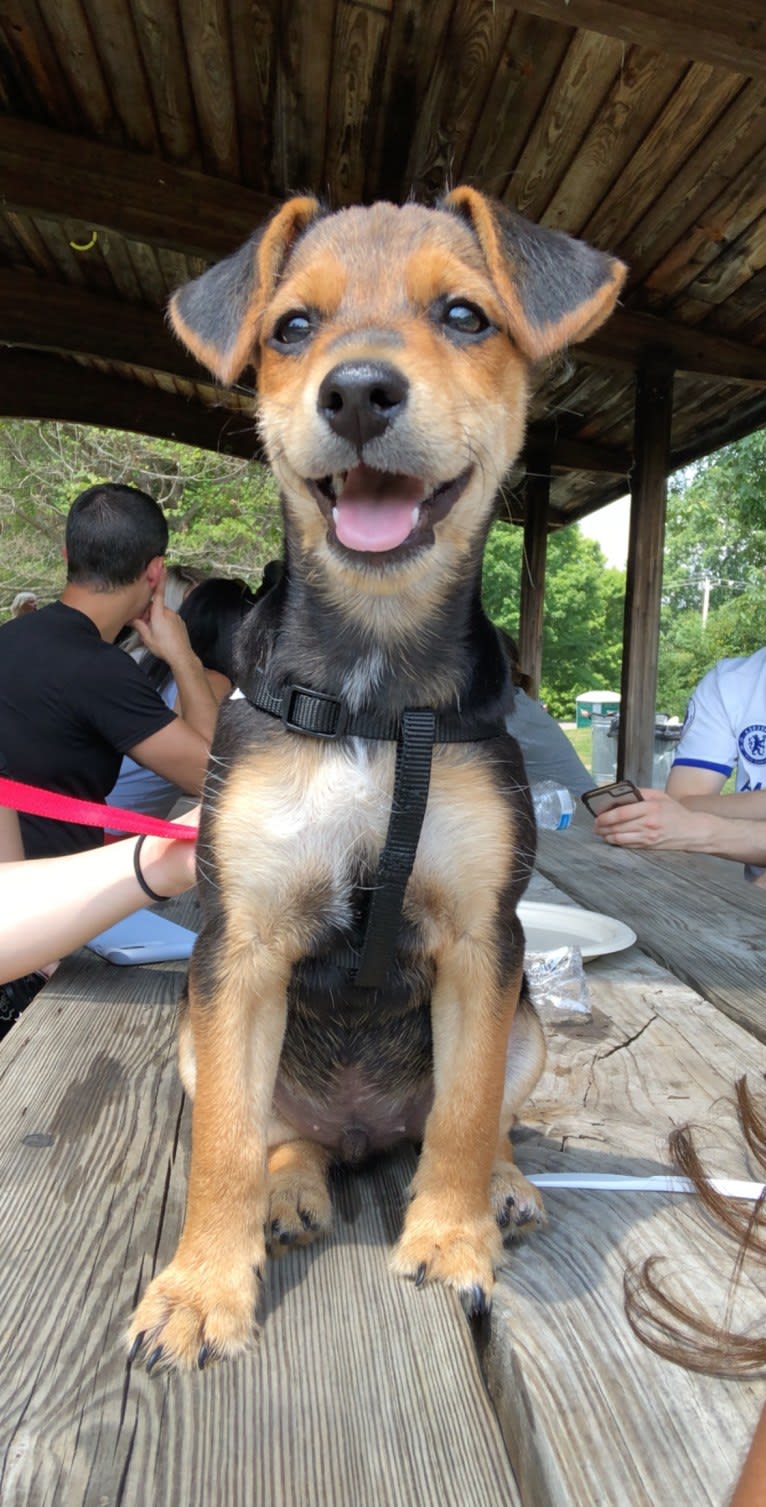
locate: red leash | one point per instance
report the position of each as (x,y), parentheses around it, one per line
(66,808)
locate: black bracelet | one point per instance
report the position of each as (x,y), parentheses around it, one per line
(147,889)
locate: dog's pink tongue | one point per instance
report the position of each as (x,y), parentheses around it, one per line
(375,509)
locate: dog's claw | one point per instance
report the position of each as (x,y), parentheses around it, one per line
(420,1275)
(203,1356)
(155,1356)
(135,1347)
(475,1302)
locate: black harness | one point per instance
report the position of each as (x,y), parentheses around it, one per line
(317,715)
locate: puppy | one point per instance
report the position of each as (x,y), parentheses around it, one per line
(393,349)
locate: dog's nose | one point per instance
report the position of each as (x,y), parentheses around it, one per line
(359,399)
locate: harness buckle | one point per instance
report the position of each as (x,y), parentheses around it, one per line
(327,718)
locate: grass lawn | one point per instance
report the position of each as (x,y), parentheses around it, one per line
(580,739)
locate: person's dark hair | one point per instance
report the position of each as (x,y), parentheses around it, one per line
(212,613)
(112,532)
(660,1318)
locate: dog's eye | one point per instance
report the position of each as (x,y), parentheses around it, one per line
(465,319)
(292,328)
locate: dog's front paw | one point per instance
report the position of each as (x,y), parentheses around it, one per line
(186,1318)
(462,1254)
(517,1204)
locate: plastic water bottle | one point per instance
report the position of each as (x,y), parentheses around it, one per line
(554,807)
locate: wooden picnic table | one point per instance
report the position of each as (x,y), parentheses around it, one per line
(363,1390)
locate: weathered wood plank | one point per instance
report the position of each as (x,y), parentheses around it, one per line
(205,26)
(526,70)
(641,89)
(360,32)
(687,926)
(582,84)
(692,110)
(164,55)
(648,490)
(459,79)
(253,36)
(708,30)
(362,1390)
(114,34)
(301,90)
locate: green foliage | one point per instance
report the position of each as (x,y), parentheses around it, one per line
(582,628)
(223,514)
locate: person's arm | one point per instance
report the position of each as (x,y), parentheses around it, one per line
(663,823)
(750,1490)
(48,906)
(220,686)
(176,753)
(164,633)
(11,846)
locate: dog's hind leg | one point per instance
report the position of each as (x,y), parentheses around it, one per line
(517,1203)
(450,1232)
(202,1306)
(300,1209)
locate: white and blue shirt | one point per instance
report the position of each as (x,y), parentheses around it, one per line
(726,722)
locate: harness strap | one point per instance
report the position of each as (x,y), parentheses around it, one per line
(415,731)
(321,716)
(412,777)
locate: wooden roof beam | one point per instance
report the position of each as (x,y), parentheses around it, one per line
(628,338)
(44,386)
(711,31)
(51,173)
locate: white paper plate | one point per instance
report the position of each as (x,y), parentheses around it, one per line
(550,926)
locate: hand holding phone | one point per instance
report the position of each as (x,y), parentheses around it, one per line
(606,797)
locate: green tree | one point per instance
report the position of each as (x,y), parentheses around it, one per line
(223,514)
(582,626)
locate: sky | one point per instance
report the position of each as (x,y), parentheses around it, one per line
(609,527)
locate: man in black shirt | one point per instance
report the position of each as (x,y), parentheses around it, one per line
(71,703)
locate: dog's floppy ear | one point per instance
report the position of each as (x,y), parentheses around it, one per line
(555,290)
(217,314)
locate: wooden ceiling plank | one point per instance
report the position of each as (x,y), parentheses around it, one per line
(253,43)
(72,39)
(583,83)
(740,261)
(302,87)
(114,34)
(142,197)
(148,274)
(31,248)
(205,28)
(640,92)
(717,159)
(360,32)
(37,83)
(415,41)
(457,89)
(699,100)
(160,39)
(730,36)
(526,68)
(735,209)
(629,335)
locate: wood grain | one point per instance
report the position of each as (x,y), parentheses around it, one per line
(708,936)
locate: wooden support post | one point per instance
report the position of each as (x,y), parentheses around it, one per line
(537,493)
(653,414)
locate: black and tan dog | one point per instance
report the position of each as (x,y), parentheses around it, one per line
(393,348)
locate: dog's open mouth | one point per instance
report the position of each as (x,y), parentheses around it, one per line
(381,512)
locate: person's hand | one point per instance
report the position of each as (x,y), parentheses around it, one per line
(168,864)
(655,822)
(162,631)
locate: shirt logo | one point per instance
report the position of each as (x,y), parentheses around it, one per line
(752,743)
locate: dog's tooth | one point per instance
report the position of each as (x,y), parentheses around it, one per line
(415,517)
(335,516)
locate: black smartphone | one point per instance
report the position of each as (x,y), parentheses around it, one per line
(604,797)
